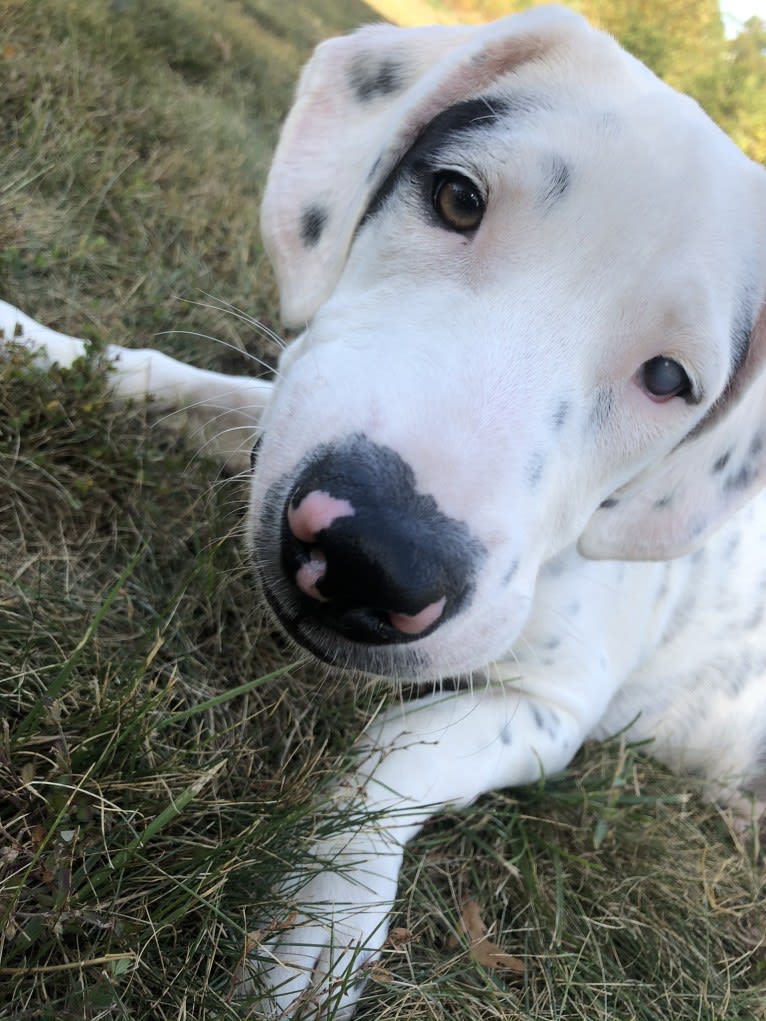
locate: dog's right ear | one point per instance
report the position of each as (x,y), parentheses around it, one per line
(361,102)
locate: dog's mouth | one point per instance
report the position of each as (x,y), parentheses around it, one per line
(331,646)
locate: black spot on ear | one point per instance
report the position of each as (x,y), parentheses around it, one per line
(720,464)
(610,502)
(369,79)
(313,220)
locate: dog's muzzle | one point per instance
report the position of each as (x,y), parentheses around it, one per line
(353,556)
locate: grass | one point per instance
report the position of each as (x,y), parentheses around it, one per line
(159,754)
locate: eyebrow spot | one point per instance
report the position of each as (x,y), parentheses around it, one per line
(557,183)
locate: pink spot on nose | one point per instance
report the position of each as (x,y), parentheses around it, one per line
(316,512)
(418,622)
(310,573)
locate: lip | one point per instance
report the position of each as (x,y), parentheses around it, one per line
(329,647)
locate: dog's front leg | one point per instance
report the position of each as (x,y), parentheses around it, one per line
(223,411)
(435,752)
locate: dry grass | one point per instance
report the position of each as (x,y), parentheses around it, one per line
(154,781)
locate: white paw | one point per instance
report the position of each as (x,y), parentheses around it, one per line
(316,963)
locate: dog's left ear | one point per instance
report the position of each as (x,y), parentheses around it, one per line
(361,102)
(672,507)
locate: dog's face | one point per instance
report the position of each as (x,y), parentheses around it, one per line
(546,288)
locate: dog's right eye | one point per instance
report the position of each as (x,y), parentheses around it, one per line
(458,202)
(662,379)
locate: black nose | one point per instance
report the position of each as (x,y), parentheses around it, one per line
(366,555)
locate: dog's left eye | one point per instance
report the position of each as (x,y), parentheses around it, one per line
(663,379)
(457,201)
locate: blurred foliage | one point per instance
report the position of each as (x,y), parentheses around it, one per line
(684,42)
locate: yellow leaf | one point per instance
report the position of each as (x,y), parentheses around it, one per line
(483,950)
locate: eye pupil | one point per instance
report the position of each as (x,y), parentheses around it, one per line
(458,202)
(663,378)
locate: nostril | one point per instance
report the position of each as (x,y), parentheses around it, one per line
(310,573)
(417,623)
(314,513)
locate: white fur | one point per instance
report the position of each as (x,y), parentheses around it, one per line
(503,369)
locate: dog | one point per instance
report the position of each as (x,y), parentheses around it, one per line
(520,439)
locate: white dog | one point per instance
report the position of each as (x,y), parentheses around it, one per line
(519,440)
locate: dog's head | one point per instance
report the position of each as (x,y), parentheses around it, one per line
(531,277)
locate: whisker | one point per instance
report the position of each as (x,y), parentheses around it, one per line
(222,343)
(206,402)
(222,305)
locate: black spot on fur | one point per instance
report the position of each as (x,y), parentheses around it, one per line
(508,576)
(663,502)
(254,452)
(506,737)
(756,618)
(680,618)
(313,220)
(373,171)
(721,462)
(610,502)
(756,445)
(697,524)
(601,408)
(741,337)
(370,80)
(545,719)
(609,124)
(535,469)
(561,414)
(557,183)
(741,479)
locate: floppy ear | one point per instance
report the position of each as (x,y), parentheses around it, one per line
(361,102)
(672,507)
